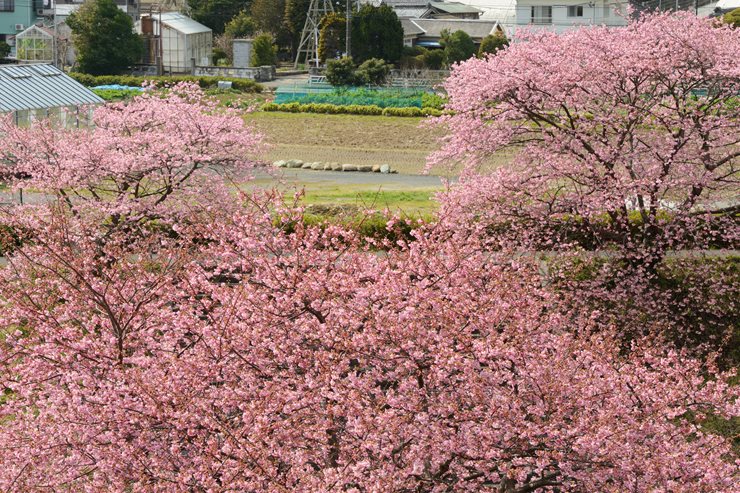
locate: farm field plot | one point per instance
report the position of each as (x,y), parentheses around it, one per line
(399,142)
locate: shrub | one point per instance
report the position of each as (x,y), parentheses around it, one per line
(264,51)
(4,49)
(492,43)
(243,85)
(219,54)
(353,109)
(341,72)
(433,59)
(372,72)
(430,100)
(732,18)
(402,112)
(413,51)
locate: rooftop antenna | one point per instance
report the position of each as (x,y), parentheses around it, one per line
(309,44)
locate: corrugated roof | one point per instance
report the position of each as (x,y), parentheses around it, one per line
(30,87)
(183,23)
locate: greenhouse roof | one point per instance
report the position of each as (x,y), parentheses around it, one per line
(183,23)
(31,87)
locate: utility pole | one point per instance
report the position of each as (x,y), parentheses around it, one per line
(54,44)
(309,44)
(348,41)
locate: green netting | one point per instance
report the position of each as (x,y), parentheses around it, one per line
(346,96)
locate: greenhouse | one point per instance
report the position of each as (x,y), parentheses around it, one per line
(32,92)
(35,44)
(184,42)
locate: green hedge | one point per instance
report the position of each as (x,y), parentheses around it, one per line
(353,109)
(243,85)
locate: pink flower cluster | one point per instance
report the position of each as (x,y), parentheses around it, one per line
(278,361)
(623,143)
(160,339)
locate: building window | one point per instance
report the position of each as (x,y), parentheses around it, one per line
(7,5)
(575,11)
(541,15)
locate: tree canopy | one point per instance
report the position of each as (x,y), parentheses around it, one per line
(628,158)
(268,15)
(733,17)
(217,13)
(458,46)
(492,43)
(240,26)
(104,38)
(376,33)
(164,330)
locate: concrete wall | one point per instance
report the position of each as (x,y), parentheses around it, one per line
(259,74)
(242,53)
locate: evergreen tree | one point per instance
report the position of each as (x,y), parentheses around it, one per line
(458,46)
(492,43)
(217,13)
(104,38)
(294,20)
(268,15)
(264,51)
(241,26)
(377,33)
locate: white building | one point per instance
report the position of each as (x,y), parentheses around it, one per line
(184,42)
(558,16)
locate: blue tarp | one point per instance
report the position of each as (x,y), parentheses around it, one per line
(118,87)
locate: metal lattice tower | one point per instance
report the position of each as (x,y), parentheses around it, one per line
(309,44)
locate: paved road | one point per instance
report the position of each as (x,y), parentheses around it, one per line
(286,81)
(300,176)
(291,177)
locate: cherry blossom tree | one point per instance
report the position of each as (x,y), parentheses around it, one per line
(624,142)
(273,358)
(239,349)
(135,155)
